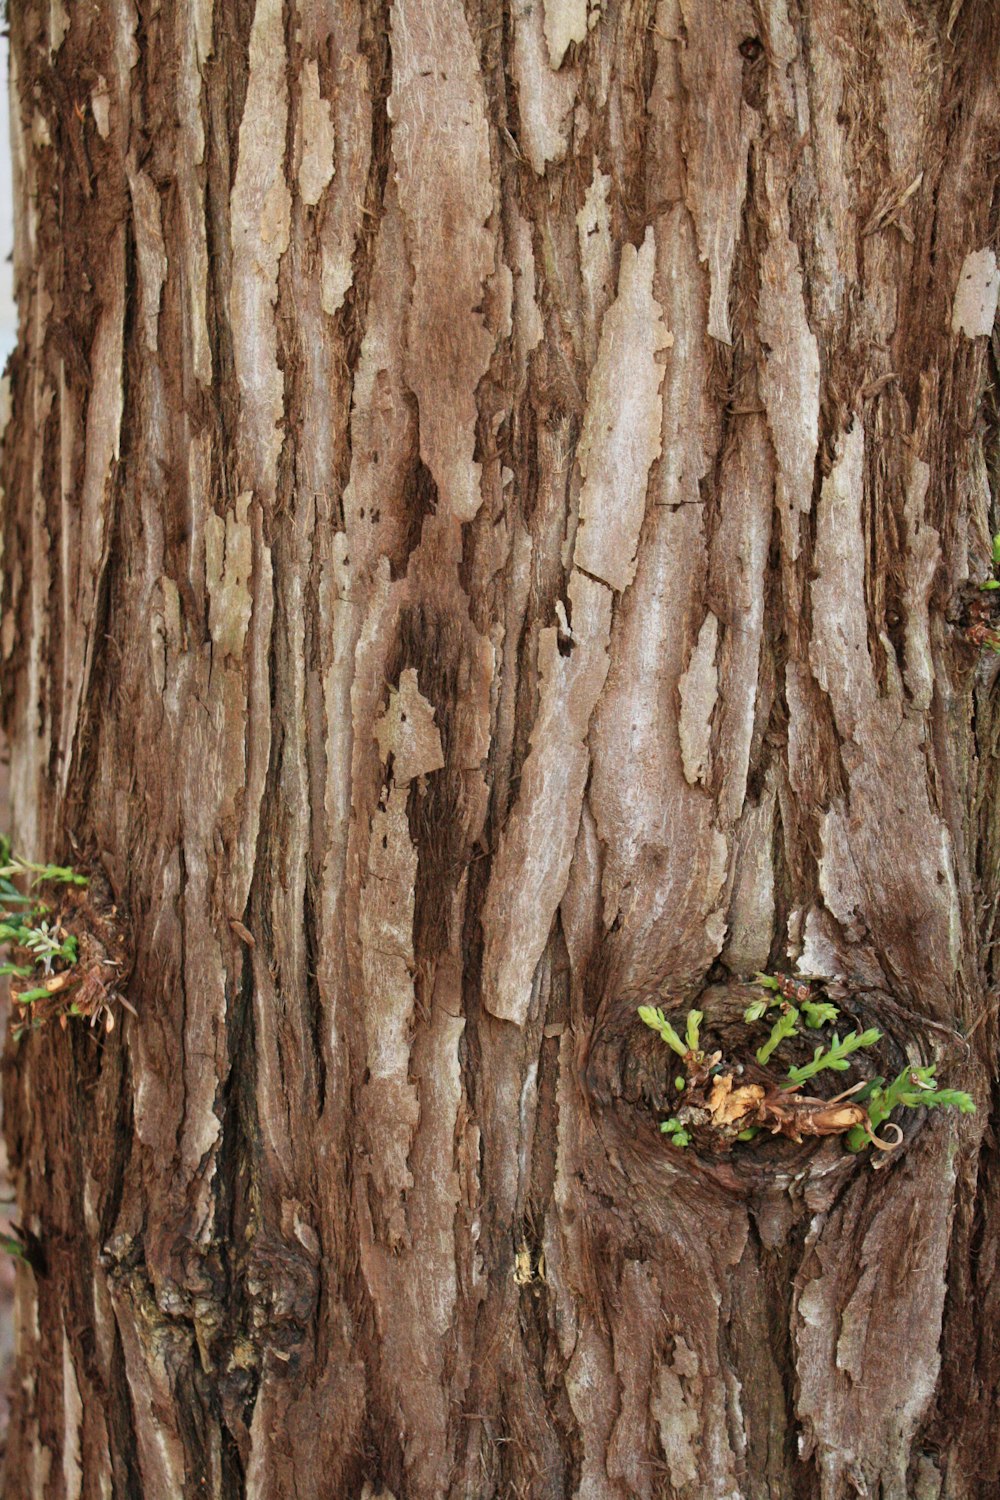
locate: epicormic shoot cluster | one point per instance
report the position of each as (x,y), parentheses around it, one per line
(48,979)
(719,1105)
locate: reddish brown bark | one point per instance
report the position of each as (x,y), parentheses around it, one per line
(491,503)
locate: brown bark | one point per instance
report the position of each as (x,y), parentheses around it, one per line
(489,500)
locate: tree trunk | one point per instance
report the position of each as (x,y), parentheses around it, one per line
(491,493)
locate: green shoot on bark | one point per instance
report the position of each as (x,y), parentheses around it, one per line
(714,1105)
(817,1013)
(44,951)
(814,1013)
(653,1017)
(785,1026)
(836,1057)
(914,1088)
(993,583)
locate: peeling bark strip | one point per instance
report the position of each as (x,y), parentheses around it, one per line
(490,508)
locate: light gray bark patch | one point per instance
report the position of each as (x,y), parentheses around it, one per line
(665,860)
(407,732)
(260,210)
(531,864)
(621,426)
(866,1381)
(699,689)
(593,226)
(316,136)
(839,650)
(923,556)
(336,30)
(975,306)
(545,97)
(789,374)
(103,433)
(750,909)
(886,762)
(565,22)
(228,570)
(737,568)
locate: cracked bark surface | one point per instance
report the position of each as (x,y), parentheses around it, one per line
(486,493)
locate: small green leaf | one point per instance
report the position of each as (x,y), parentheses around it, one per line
(680,1085)
(691,1035)
(816,1013)
(996,550)
(749,1133)
(836,1057)
(653,1017)
(755,1011)
(768,981)
(61,874)
(785,1026)
(31,995)
(675,1130)
(991,583)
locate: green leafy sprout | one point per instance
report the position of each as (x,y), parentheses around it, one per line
(817,1013)
(993,583)
(814,1013)
(654,1018)
(26,924)
(785,1026)
(12,1246)
(914,1088)
(836,1057)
